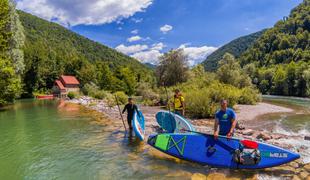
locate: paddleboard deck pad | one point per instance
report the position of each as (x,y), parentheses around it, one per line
(173,123)
(234,153)
(139,124)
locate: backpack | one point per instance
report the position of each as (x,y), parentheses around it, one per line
(247,153)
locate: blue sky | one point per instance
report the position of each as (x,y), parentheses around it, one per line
(145,29)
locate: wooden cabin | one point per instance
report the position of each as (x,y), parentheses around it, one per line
(64,85)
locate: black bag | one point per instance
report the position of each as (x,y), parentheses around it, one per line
(247,156)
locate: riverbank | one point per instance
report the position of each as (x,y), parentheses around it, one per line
(248,116)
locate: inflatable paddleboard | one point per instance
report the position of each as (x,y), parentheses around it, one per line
(138,125)
(234,153)
(173,123)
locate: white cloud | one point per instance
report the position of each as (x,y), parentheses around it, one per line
(136,31)
(131,49)
(147,39)
(166,28)
(197,54)
(142,52)
(149,56)
(158,46)
(137,20)
(134,38)
(71,12)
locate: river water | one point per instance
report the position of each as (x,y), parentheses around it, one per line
(52,140)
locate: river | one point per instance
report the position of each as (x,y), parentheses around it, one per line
(49,140)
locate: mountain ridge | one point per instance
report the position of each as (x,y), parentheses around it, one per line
(235,47)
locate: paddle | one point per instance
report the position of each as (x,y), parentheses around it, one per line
(231,149)
(119,109)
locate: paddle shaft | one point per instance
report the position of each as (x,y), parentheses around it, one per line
(200,133)
(119,109)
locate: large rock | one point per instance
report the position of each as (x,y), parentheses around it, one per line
(284,169)
(278,136)
(248,132)
(307,167)
(198,176)
(240,126)
(180,174)
(295,177)
(215,176)
(264,136)
(304,175)
(294,165)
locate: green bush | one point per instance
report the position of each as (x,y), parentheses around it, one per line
(219,91)
(101,94)
(148,102)
(90,89)
(199,104)
(121,97)
(249,96)
(71,95)
(147,93)
(110,100)
(203,103)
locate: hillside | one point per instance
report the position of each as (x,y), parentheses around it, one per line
(279,61)
(235,47)
(51,50)
(151,66)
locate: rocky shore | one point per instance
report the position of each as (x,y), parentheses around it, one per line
(247,118)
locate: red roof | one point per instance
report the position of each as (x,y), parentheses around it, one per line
(70,80)
(60,85)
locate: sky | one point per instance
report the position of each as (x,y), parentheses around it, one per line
(145,29)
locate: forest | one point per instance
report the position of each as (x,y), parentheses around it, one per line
(279,61)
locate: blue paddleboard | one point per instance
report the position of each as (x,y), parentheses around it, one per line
(173,123)
(138,125)
(205,150)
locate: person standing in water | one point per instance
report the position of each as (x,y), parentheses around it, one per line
(130,107)
(225,121)
(178,103)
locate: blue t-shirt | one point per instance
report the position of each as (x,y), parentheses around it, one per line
(225,120)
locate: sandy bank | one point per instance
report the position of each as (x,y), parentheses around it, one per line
(251,112)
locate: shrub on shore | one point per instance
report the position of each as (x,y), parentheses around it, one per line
(91,89)
(249,96)
(149,96)
(71,95)
(121,97)
(203,103)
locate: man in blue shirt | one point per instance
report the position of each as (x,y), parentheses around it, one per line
(225,121)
